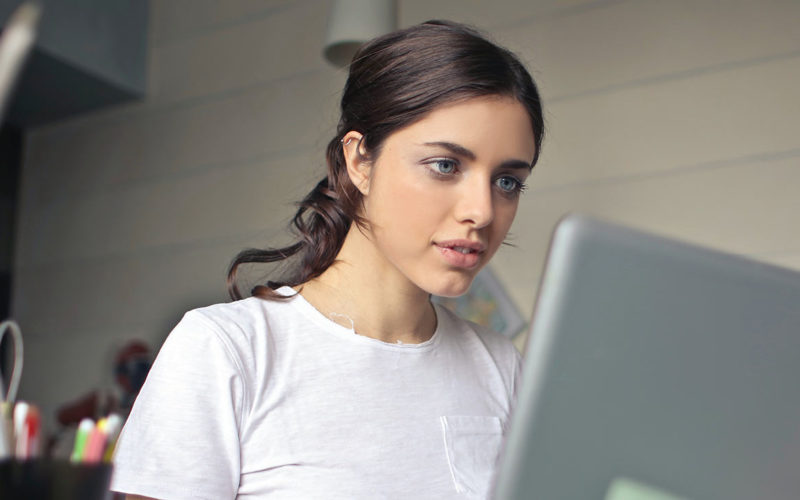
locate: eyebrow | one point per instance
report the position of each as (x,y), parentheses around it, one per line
(462,151)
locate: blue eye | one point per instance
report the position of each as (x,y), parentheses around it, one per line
(444,167)
(509,185)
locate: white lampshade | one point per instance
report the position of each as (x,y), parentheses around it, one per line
(353,22)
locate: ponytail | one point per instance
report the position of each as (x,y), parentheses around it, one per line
(321,223)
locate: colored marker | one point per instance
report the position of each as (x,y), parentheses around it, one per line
(96,443)
(81,437)
(113,428)
(20,415)
(6,431)
(32,428)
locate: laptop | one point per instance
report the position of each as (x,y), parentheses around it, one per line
(656,370)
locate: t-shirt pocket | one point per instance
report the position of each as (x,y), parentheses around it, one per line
(472,445)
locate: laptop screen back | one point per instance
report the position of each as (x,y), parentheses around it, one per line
(656,368)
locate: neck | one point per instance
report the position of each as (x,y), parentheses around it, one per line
(362,287)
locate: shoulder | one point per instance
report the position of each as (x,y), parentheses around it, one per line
(243,318)
(240,329)
(240,315)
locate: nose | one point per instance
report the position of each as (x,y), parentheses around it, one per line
(475,206)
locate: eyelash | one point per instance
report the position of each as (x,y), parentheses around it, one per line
(519,186)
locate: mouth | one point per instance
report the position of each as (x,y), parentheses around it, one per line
(463,250)
(461,253)
(462,246)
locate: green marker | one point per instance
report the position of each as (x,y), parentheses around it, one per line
(81,437)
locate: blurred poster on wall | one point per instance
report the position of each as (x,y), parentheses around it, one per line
(487,303)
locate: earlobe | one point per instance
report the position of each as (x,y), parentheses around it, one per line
(358,164)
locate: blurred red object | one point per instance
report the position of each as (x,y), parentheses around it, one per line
(131,364)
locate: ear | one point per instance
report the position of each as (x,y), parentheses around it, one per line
(358,164)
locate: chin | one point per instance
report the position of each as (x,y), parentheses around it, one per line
(452,289)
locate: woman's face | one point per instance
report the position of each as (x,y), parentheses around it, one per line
(442,193)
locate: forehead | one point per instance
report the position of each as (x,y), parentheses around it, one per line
(488,126)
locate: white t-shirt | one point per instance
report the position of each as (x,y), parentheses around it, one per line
(271,399)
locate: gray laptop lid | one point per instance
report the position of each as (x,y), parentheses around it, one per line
(656,370)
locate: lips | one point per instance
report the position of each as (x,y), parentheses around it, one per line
(461,253)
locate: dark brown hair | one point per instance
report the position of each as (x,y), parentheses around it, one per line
(394,81)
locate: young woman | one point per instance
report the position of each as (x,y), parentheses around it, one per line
(342,380)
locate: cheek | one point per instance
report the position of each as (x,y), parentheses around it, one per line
(504,217)
(404,205)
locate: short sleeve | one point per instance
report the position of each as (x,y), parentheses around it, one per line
(181,439)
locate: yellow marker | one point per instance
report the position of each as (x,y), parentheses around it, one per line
(113,428)
(6,430)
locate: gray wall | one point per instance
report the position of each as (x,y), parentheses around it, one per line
(101,37)
(679,117)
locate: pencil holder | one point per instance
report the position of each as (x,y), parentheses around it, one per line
(54,480)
